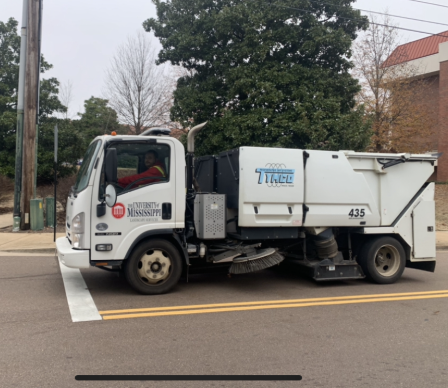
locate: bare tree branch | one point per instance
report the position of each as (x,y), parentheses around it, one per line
(66,97)
(392,95)
(140,91)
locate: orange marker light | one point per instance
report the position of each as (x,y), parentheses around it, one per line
(113,133)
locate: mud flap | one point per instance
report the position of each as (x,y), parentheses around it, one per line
(429,266)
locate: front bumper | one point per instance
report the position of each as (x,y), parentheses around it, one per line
(72,258)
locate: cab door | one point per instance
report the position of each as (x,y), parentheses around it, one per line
(143,204)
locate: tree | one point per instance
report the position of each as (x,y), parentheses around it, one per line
(49,104)
(138,89)
(9,78)
(262,73)
(392,95)
(98,119)
(70,146)
(66,97)
(70,149)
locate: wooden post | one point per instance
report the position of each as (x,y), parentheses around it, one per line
(30,112)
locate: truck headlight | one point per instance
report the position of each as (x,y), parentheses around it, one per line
(78,223)
(78,240)
(78,230)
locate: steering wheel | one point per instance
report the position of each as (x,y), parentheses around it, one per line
(142,179)
(118,188)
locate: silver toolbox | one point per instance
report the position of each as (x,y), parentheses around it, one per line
(210,216)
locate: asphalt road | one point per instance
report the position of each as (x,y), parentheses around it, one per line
(385,343)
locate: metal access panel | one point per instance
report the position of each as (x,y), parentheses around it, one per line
(424,230)
(210,216)
(271,187)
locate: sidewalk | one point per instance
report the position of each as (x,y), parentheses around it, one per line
(28,242)
(43,242)
(441,240)
(6,220)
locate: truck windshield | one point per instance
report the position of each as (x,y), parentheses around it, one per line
(82,180)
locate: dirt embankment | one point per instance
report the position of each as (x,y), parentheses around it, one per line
(43,191)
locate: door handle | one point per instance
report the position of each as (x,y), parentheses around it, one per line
(166,211)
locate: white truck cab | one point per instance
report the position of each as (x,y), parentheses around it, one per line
(95,232)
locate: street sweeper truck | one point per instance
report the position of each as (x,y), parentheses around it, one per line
(142,207)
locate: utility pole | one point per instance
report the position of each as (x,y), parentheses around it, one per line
(38,93)
(19,132)
(30,111)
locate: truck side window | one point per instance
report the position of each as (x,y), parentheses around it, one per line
(141,164)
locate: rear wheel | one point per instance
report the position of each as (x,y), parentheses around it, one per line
(154,267)
(383,259)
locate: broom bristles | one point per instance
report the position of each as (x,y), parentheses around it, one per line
(256,264)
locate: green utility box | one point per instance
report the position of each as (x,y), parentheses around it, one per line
(37,214)
(49,212)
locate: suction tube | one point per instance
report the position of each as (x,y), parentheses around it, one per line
(326,245)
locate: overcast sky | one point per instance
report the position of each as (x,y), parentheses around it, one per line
(80,37)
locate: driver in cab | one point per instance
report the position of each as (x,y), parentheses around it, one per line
(155,171)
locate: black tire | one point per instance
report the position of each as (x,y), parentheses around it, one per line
(382,259)
(154,267)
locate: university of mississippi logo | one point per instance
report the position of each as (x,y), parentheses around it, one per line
(118,211)
(144,209)
(276,175)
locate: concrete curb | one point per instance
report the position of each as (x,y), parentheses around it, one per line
(31,250)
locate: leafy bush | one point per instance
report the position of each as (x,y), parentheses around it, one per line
(70,149)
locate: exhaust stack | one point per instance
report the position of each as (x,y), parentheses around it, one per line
(190,154)
(191,135)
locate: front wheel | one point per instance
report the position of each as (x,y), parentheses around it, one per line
(383,260)
(154,267)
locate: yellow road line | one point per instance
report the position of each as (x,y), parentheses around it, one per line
(274,306)
(198,306)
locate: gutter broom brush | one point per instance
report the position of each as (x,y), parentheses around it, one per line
(265,258)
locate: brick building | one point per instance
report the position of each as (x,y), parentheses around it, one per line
(430,57)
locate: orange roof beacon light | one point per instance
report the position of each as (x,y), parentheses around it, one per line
(113,133)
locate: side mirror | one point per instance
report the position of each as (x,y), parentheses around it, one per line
(111,196)
(111,165)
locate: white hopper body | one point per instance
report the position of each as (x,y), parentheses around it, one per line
(338,188)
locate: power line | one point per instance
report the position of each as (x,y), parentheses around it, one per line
(382,13)
(425,2)
(403,17)
(356,20)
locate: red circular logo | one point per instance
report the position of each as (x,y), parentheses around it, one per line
(118,210)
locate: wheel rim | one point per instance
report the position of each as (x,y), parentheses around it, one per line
(387,260)
(154,267)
